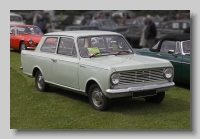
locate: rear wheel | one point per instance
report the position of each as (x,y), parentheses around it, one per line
(40,83)
(22,46)
(97,98)
(158,98)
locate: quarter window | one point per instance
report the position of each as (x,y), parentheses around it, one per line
(67,47)
(168,45)
(175,25)
(49,45)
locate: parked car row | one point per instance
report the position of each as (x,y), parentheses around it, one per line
(74,58)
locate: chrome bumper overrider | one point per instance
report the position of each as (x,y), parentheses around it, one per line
(140,88)
(31,48)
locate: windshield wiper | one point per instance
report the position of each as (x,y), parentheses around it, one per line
(121,52)
(102,54)
(94,55)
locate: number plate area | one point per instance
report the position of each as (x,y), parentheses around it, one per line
(144,93)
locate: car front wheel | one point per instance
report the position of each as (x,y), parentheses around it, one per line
(40,83)
(22,46)
(158,98)
(97,98)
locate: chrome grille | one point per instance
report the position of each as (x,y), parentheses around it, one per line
(141,76)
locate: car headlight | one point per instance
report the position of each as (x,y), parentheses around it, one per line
(167,73)
(30,41)
(115,78)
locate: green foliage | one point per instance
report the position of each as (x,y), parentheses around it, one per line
(60,109)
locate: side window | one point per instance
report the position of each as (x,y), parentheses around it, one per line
(167,45)
(175,25)
(12,29)
(168,26)
(184,25)
(49,45)
(67,47)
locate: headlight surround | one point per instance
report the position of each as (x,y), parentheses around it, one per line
(30,41)
(167,73)
(115,78)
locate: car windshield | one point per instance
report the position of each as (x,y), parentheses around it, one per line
(15,18)
(103,45)
(186,47)
(28,30)
(156,45)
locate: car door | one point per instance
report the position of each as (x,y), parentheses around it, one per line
(166,29)
(12,36)
(175,57)
(48,52)
(65,64)
(186,62)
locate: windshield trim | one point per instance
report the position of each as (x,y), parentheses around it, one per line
(100,36)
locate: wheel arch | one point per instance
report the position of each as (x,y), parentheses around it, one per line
(89,83)
(35,69)
(20,44)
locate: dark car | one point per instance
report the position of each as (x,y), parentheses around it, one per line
(176,49)
(80,20)
(173,27)
(109,25)
(69,28)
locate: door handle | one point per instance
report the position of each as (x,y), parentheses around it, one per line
(54,60)
(158,54)
(82,66)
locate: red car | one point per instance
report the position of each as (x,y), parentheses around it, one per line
(24,37)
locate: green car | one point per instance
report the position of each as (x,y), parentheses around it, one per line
(99,64)
(176,49)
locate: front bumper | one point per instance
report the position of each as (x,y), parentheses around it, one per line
(140,88)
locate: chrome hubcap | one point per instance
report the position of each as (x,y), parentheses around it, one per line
(97,97)
(40,81)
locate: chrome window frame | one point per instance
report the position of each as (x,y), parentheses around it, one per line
(74,45)
(182,47)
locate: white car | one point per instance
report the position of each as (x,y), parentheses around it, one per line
(102,72)
(16,19)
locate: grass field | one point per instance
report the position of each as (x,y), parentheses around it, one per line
(60,109)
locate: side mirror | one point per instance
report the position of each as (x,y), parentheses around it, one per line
(171,52)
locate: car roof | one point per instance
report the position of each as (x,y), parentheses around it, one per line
(182,20)
(81,26)
(15,14)
(176,37)
(79,33)
(22,25)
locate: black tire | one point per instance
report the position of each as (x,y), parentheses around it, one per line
(158,98)
(97,98)
(40,82)
(22,47)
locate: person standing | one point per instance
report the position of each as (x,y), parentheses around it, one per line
(41,24)
(94,22)
(142,39)
(150,32)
